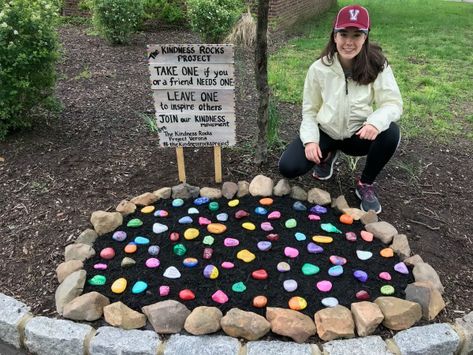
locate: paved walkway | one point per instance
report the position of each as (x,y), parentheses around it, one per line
(9,350)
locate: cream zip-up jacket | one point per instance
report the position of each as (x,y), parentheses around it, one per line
(340,106)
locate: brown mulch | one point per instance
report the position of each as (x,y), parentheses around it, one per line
(99,151)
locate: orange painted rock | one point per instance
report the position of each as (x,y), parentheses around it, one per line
(346,219)
(131,248)
(216,228)
(267,201)
(297,303)
(260,301)
(367,236)
(387,253)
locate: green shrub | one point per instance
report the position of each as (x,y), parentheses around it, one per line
(116,20)
(169,11)
(213,19)
(28,53)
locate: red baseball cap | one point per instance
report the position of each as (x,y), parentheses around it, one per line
(352,16)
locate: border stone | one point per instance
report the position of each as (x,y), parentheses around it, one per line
(465,326)
(114,341)
(436,339)
(56,336)
(204,344)
(12,312)
(372,345)
(276,347)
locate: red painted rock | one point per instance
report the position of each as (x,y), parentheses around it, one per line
(241,214)
(362,295)
(272,237)
(207,254)
(174,236)
(186,295)
(260,274)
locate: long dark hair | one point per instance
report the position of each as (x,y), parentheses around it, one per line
(366,65)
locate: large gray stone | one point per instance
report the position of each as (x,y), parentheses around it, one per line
(167,317)
(277,348)
(114,341)
(436,339)
(70,288)
(11,314)
(202,345)
(372,345)
(87,237)
(465,326)
(382,230)
(49,336)
(425,272)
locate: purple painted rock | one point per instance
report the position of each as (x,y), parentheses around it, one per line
(274,215)
(385,276)
(107,253)
(362,295)
(272,237)
(337,260)
(290,285)
(210,272)
(266,226)
(324,286)
(314,217)
(220,297)
(204,221)
(314,248)
(264,245)
(350,236)
(360,275)
(227,265)
(152,263)
(291,252)
(241,214)
(317,209)
(401,268)
(119,236)
(164,291)
(231,242)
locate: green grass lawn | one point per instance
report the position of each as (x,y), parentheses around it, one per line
(429,44)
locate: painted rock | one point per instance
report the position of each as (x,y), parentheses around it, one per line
(360,275)
(239,287)
(300,236)
(161,213)
(204,221)
(310,269)
(266,226)
(367,236)
(322,239)
(214,206)
(185,220)
(119,285)
(246,255)
(139,287)
(100,266)
(233,203)
(266,201)
(241,214)
(216,228)
(264,245)
(134,223)
(329,302)
(231,242)
(220,297)
(207,253)
(387,253)
(272,237)
(199,201)
(191,233)
(324,286)
(336,270)
(290,285)
(260,274)
(147,209)
(208,240)
(401,268)
(107,253)
(177,202)
(313,217)
(362,295)
(363,254)
(190,262)
(387,290)
(192,210)
(164,290)
(131,248)
(297,303)
(174,236)
(385,276)
(186,295)
(330,228)
(314,248)
(153,250)
(152,263)
(350,236)
(127,262)
(172,273)
(317,209)
(222,217)
(97,280)
(141,241)
(299,206)
(179,249)
(249,226)
(337,260)
(260,301)
(346,219)
(210,272)
(283,266)
(291,252)
(119,236)
(159,228)
(274,215)
(227,265)
(290,223)
(261,211)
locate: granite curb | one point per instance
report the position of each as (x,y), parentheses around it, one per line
(42,335)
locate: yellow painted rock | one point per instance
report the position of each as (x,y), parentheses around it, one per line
(216,228)
(297,303)
(387,253)
(249,226)
(119,285)
(267,201)
(322,239)
(191,233)
(246,255)
(233,203)
(147,209)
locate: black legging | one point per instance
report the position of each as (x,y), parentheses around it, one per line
(293,162)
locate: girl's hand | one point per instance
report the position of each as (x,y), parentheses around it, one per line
(313,152)
(368,131)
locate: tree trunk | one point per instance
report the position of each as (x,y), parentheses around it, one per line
(261,73)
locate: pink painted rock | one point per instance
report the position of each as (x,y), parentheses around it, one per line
(350,236)
(227,265)
(152,263)
(107,253)
(314,217)
(231,242)
(220,297)
(241,214)
(385,276)
(291,252)
(164,290)
(274,215)
(204,221)
(324,286)
(266,226)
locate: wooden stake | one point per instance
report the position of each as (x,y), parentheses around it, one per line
(181,167)
(218,163)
